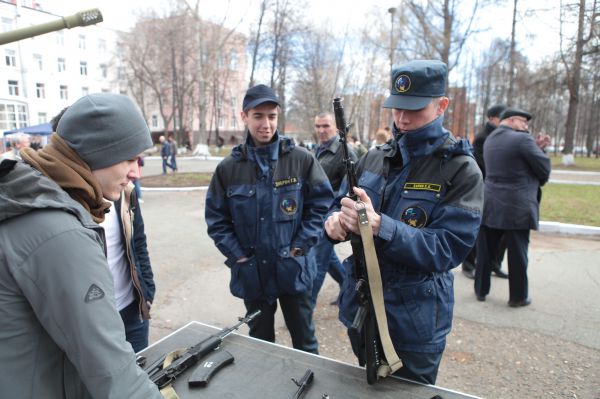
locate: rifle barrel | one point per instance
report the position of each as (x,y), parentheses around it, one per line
(82,18)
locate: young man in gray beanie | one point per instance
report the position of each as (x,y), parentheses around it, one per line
(61,335)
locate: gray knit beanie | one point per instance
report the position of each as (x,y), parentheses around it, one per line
(104,129)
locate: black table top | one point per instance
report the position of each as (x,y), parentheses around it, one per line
(265,370)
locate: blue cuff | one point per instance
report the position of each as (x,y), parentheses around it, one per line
(387,228)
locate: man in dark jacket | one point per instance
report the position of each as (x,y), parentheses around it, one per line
(516,168)
(423,195)
(330,155)
(264,210)
(61,335)
(468,265)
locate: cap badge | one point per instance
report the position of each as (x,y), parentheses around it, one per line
(402,84)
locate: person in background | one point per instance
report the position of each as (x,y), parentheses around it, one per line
(173,153)
(330,155)
(516,169)
(17,142)
(468,265)
(165,153)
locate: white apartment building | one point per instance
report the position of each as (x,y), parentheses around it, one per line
(40,76)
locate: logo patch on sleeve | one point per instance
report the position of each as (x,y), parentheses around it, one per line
(94,293)
(414,216)
(436,188)
(285,182)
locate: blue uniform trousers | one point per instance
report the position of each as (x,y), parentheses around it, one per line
(416,366)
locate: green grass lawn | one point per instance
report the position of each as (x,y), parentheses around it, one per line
(569,203)
(581,163)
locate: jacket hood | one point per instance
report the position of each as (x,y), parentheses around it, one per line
(25,189)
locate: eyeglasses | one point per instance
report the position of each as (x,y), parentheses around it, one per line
(521,119)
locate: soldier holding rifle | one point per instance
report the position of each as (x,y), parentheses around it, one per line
(423,195)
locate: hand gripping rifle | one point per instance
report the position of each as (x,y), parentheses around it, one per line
(164,376)
(364,324)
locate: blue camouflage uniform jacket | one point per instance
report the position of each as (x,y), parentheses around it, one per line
(261,203)
(429,191)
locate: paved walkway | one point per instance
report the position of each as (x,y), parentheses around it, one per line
(564,277)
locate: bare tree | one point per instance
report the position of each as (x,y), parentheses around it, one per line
(573,67)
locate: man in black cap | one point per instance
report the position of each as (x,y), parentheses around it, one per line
(61,334)
(516,168)
(468,265)
(423,194)
(264,210)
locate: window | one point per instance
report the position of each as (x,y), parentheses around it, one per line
(61,65)
(60,38)
(13,87)
(42,117)
(7,24)
(82,42)
(83,68)
(154,121)
(104,91)
(233,122)
(221,122)
(64,92)
(37,59)
(11,59)
(12,116)
(103,70)
(102,45)
(85,91)
(40,90)
(219,103)
(121,72)
(220,61)
(233,60)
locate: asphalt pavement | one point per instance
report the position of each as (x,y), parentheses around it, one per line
(193,282)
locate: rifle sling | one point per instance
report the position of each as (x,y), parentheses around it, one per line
(392,362)
(168,392)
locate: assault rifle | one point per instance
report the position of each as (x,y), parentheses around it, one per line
(164,376)
(364,323)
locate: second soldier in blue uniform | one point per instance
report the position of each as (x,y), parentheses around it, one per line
(264,210)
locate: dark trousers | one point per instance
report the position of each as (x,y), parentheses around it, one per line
(469,262)
(136,328)
(416,366)
(517,243)
(165,164)
(297,312)
(327,261)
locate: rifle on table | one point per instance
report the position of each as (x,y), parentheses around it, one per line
(364,323)
(163,376)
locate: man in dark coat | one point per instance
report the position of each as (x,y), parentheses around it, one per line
(516,168)
(468,265)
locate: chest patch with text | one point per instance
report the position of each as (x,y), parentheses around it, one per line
(285,182)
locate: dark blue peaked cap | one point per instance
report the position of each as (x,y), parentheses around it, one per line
(416,83)
(258,95)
